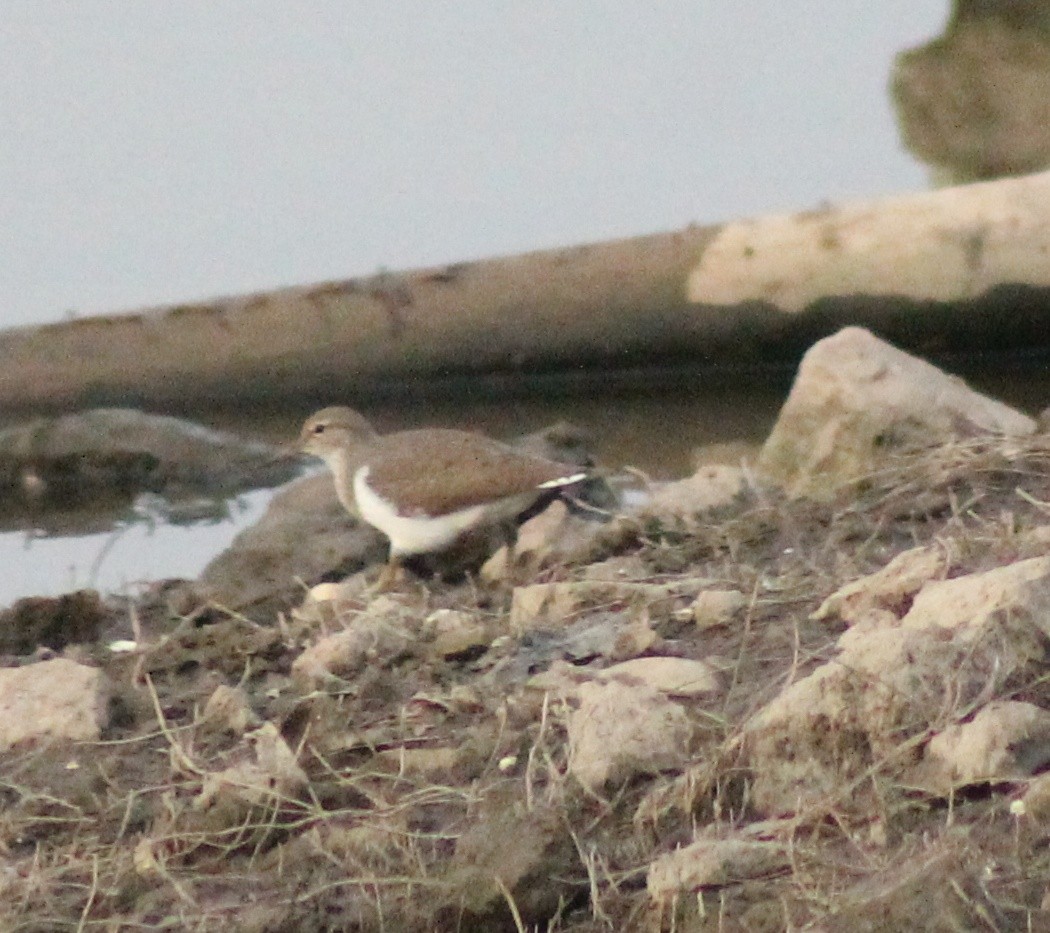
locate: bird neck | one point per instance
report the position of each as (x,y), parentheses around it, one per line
(343,465)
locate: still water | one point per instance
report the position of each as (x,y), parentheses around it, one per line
(659,428)
(662,423)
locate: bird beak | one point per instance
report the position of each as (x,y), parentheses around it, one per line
(285,452)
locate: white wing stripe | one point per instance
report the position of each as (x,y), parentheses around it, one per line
(562,481)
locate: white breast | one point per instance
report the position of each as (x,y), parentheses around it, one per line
(412,534)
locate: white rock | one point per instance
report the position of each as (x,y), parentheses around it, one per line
(383,631)
(56,699)
(621,730)
(554,605)
(678,677)
(854,398)
(555,536)
(1005,741)
(882,594)
(327,592)
(710,863)
(562,680)
(456,632)
(713,485)
(328,604)
(960,641)
(1036,801)
(622,567)
(712,608)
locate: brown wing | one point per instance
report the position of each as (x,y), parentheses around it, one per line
(436,471)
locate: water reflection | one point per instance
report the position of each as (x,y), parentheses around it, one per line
(136,550)
(663,424)
(111,543)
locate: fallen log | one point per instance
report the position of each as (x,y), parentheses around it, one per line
(943,270)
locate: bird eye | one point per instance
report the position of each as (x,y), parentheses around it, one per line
(318,429)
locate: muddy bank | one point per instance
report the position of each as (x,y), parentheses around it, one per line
(808,690)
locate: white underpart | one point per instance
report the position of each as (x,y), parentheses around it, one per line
(419,534)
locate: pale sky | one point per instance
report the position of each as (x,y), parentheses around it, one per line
(156,152)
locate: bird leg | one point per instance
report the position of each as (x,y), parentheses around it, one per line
(389,578)
(509,533)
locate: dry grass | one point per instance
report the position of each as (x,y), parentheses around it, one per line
(116,835)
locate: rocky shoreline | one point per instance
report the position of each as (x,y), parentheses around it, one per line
(805,692)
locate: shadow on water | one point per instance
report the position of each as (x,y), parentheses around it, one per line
(654,419)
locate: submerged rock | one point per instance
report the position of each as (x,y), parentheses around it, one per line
(129,449)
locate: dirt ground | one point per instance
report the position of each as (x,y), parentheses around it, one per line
(428,790)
